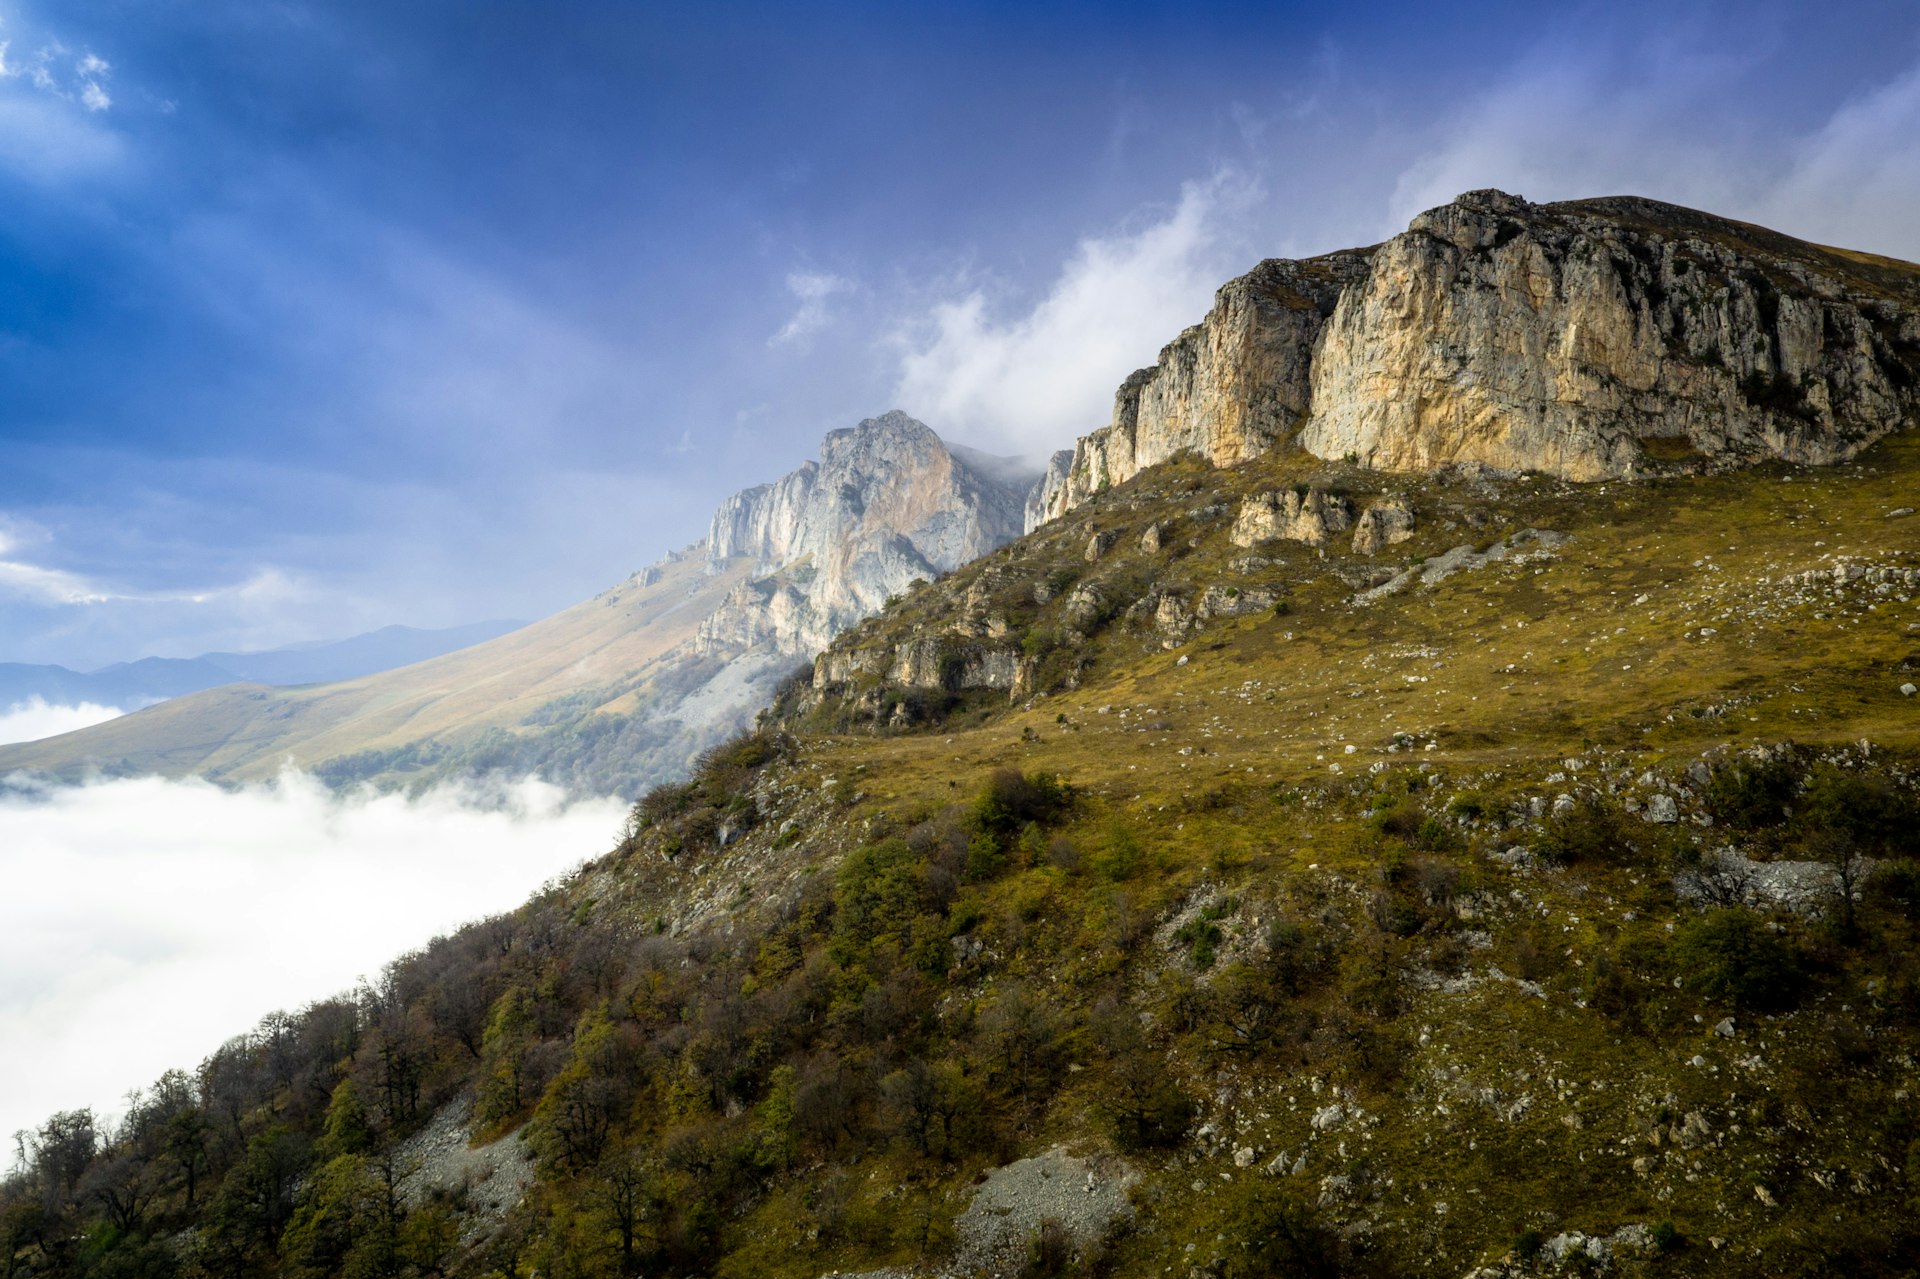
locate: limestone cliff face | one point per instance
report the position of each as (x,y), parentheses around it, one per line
(1590,339)
(1229,388)
(886,503)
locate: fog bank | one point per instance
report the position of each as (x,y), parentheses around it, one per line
(144,921)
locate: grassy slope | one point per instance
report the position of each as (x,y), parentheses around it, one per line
(1230,794)
(607,646)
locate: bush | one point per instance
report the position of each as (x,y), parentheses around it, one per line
(1011,800)
(1592,833)
(1866,808)
(1732,957)
(1752,794)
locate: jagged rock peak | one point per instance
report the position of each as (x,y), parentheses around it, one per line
(1592,339)
(888,502)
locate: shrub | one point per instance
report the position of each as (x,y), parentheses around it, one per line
(1121,855)
(1731,956)
(1752,794)
(1592,832)
(1011,800)
(1865,808)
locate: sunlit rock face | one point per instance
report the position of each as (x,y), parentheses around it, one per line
(887,504)
(1592,339)
(1229,388)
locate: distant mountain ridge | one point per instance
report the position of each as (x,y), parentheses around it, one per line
(153,679)
(624,690)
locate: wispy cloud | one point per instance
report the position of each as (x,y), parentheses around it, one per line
(1034,379)
(36,583)
(145,921)
(813,289)
(42,135)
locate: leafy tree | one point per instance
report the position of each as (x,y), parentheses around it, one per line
(503,1056)
(348,1130)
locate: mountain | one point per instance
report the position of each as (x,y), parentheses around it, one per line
(1290,867)
(154,679)
(620,691)
(1591,339)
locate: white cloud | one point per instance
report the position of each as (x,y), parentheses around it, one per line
(42,137)
(264,591)
(145,921)
(1033,381)
(35,718)
(813,289)
(43,585)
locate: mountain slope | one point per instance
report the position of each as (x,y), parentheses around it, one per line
(153,679)
(623,689)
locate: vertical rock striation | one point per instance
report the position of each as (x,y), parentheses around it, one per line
(1591,339)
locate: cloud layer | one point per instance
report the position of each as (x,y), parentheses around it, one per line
(146,921)
(33,719)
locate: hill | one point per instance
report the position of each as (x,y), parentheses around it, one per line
(1280,868)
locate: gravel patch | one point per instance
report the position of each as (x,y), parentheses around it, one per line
(1084,1194)
(487,1182)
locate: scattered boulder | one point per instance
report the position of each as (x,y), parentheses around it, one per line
(1382,525)
(1098,545)
(1150,541)
(1660,809)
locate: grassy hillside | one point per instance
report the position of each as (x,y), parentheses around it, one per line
(1346,934)
(582,672)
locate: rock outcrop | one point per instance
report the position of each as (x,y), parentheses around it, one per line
(1229,388)
(887,504)
(1591,339)
(1384,524)
(1309,516)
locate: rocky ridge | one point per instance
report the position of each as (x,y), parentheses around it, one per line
(1590,339)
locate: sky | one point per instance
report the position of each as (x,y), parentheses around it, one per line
(317,317)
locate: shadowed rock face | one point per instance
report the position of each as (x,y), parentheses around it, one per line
(887,503)
(1591,339)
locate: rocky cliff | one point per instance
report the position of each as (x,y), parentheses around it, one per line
(887,504)
(1590,339)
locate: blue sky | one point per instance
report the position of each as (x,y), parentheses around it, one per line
(316,317)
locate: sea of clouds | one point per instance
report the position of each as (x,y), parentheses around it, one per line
(145,921)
